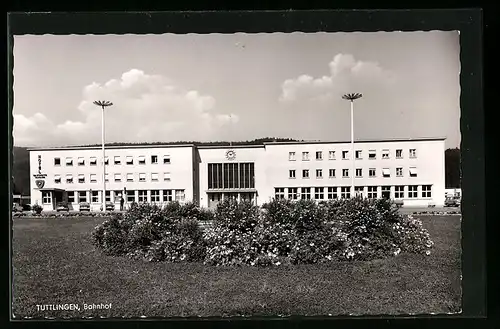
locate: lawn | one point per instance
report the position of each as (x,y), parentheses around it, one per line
(54,262)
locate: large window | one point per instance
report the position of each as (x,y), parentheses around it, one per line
(155,196)
(167,195)
(332,193)
(231,175)
(399,192)
(279,193)
(319,193)
(345,192)
(305,193)
(82,196)
(95,196)
(46,197)
(108,196)
(71,196)
(412,191)
(180,195)
(143,196)
(426,191)
(372,192)
(130,196)
(292,193)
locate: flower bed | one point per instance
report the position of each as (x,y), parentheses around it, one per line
(279,232)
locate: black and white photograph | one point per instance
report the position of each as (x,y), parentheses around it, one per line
(239,174)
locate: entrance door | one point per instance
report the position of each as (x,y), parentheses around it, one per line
(247,196)
(386,192)
(214,199)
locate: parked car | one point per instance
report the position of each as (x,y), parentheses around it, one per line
(84,206)
(452,202)
(26,207)
(110,206)
(16,207)
(62,206)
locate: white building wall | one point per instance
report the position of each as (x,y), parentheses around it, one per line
(180,170)
(243,154)
(429,162)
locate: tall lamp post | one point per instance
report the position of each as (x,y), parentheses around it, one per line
(352,98)
(103,105)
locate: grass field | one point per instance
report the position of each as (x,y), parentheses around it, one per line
(54,262)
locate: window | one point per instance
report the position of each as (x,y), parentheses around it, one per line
(345,155)
(155,196)
(358,190)
(399,192)
(291,173)
(319,193)
(82,196)
(279,193)
(292,193)
(57,179)
(106,177)
(81,161)
(95,197)
(332,193)
(372,154)
(331,173)
(69,162)
(106,161)
(359,172)
(143,196)
(154,159)
(142,177)
(57,161)
(129,160)
(386,189)
(117,195)
(386,172)
(305,156)
(345,173)
(130,196)
(319,155)
(93,161)
(345,192)
(359,154)
(385,154)
(305,193)
(71,197)
(305,173)
(167,195)
(130,177)
(399,172)
(412,191)
(81,178)
(426,191)
(179,195)
(413,172)
(93,178)
(118,177)
(372,192)
(331,155)
(69,179)
(154,177)
(108,196)
(142,160)
(319,173)
(231,175)
(291,156)
(166,159)
(372,172)
(399,154)
(117,160)
(413,153)
(166,176)
(46,197)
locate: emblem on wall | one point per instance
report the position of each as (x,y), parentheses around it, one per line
(40,183)
(230,155)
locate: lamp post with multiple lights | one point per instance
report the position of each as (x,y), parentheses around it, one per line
(103,105)
(352,98)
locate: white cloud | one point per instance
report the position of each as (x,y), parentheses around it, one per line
(346,75)
(145,108)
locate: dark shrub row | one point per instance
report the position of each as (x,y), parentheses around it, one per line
(281,232)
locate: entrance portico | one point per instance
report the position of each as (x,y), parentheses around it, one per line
(51,196)
(216,196)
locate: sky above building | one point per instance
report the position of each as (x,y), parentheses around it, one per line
(239,86)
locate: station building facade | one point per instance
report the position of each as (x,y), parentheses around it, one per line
(411,171)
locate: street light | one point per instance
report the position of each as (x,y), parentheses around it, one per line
(352,98)
(103,105)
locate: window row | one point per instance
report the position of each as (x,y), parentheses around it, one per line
(139,196)
(117,160)
(117,177)
(358,154)
(371,192)
(372,172)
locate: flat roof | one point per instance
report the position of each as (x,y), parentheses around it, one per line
(108,147)
(391,140)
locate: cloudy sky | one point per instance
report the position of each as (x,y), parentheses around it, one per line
(239,86)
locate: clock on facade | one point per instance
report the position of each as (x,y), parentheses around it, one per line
(230,155)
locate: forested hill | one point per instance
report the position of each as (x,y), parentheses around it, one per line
(21,170)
